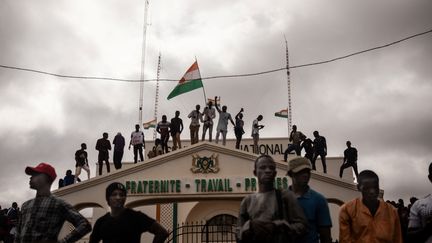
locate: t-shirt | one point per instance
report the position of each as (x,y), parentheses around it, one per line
(127,227)
(239,123)
(137,138)
(80,157)
(195,117)
(255,127)
(103,145)
(320,144)
(357,225)
(208,115)
(296,137)
(317,212)
(264,206)
(351,155)
(164,127)
(223,121)
(420,211)
(176,125)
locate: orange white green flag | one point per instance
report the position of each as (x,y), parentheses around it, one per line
(282,113)
(149,124)
(191,80)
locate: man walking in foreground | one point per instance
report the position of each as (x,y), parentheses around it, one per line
(42,218)
(314,204)
(369,219)
(420,219)
(124,225)
(270,215)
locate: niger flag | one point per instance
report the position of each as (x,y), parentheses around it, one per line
(191,80)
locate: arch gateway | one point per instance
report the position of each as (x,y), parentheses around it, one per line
(202,183)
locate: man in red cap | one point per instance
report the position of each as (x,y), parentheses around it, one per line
(42,218)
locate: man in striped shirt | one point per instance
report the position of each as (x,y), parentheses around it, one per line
(42,218)
(163,128)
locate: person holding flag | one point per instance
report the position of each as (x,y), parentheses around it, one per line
(222,126)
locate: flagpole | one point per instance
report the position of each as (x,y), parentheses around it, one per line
(205,97)
(289,113)
(141,99)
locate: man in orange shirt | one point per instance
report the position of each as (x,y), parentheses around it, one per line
(369,219)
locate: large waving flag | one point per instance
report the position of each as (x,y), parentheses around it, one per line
(282,113)
(149,124)
(191,80)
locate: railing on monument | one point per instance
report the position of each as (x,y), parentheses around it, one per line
(195,232)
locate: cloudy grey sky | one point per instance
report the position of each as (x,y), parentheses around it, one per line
(379,100)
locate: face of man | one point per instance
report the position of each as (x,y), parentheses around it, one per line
(177,113)
(38,180)
(117,199)
(265,170)
(369,188)
(197,107)
(301,178)
(164,118)
(224,108)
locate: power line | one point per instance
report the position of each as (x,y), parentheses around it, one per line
(218,76)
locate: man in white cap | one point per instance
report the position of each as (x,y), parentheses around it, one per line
(42,218)
(314,204)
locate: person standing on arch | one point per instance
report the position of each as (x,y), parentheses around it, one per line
(320,149)
(163,128)
(103,145)
(222,126)
(194,126)
(176,129)
(255,132)
(208,115)
(296,137)
(119,143)
(81,162)
(238,128)
(137,140)
(349,160)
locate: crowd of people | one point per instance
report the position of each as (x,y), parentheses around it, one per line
(301,214)
(298,214)
(165,129)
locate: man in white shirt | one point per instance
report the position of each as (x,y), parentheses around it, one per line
(222,126)
(137,140)
(420,219)
(255,132)
(209,114)
(195,117)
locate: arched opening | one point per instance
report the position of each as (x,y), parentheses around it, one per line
(220,228)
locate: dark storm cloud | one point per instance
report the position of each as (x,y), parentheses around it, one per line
(379,100)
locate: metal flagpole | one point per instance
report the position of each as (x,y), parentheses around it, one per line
(141,100)
(289,113)
(157,94)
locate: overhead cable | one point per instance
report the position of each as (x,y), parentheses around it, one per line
(218,76)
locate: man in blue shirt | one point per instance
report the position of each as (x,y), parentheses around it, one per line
(314,204)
